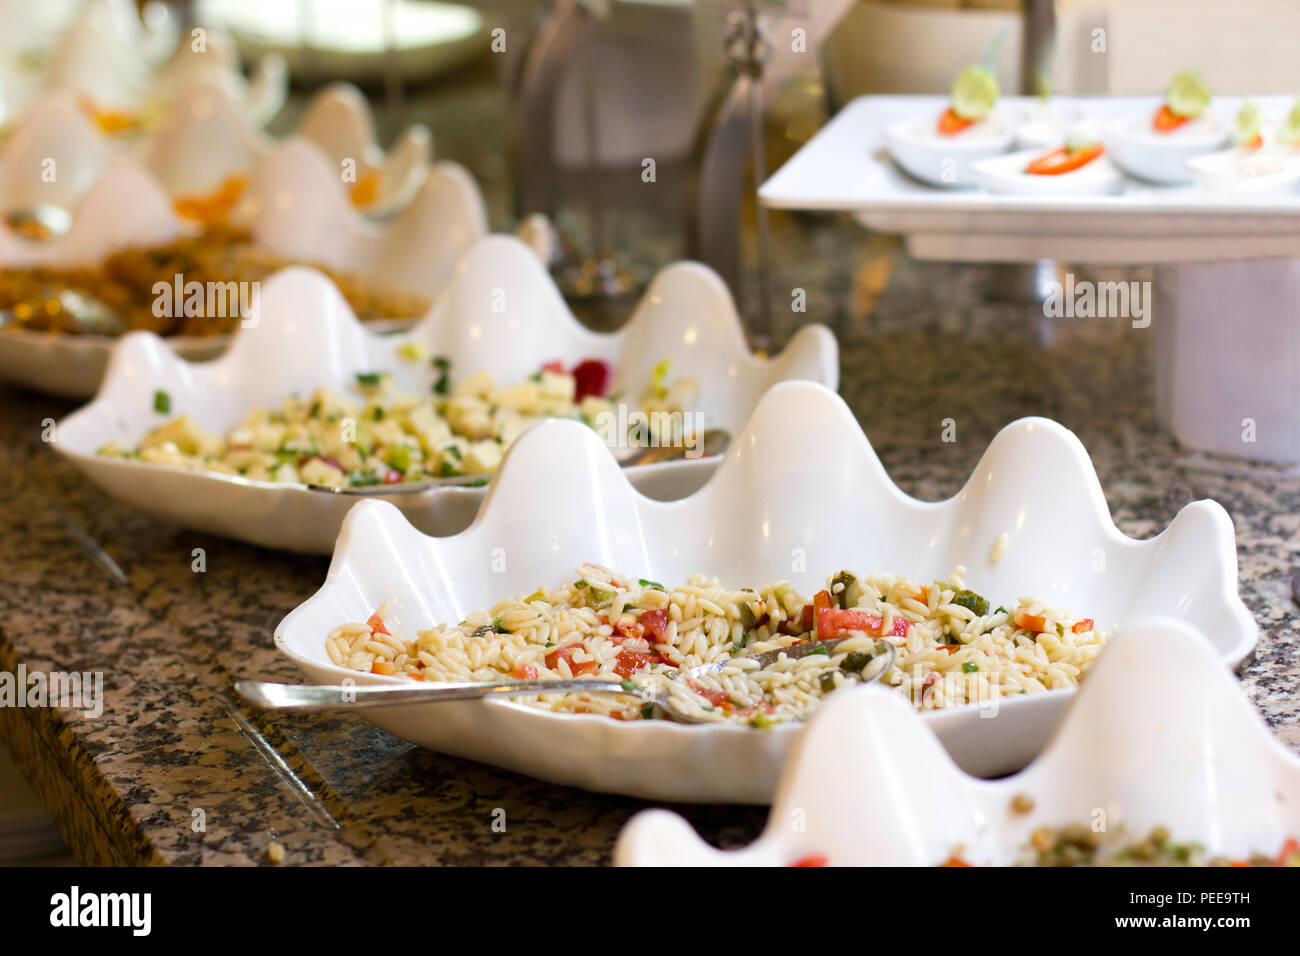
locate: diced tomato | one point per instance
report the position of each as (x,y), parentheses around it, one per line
(822,598)
(1084,626)
(565,654)
(954,861)
(930,679)
(1290,855)
(392,476)
(833,622)
(950,124)
(814,859)
(416,676)
(715,697)
(1030,622)
(376,624)
(554,366)
(523,672)
(591,377)
(1166,120)
(656,625)
(629,662)
(1255,143)
(1064,160)
(950,648)
(387,668)
(627,628)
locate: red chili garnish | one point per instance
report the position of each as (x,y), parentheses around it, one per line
(814,859)
(523,672)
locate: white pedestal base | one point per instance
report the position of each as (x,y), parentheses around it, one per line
(1228,357)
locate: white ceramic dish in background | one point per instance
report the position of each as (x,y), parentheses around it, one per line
(847,167)
(945,161)
(346,38)
(1267,171)
(306,337)
(293,206)
(1162,157)
(1159,735)
(1005,175)
(799,487)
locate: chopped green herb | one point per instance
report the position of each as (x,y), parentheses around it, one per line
(493,628)
(650,584)
(760,721)
(818,650)
(739,646)
(854,663)
(363,479)
(969,667)
(647,712)
(314,410)
(447,470)
(454,452)
(827,683)
(629,686)
(971,601)
(747,619)
(162,403)
(1001,610)
(580,584)
(378,414)
(368,379)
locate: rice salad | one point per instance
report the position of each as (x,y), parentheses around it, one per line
(950,647)
(378,436)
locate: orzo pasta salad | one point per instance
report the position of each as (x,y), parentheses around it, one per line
(950,646)
(377,436)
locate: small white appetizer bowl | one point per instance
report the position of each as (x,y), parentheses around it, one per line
(301,335)
(799,495)
(1162,158)
(1005,175)
(922,152)
(1160,735)
(1269,170)
(1043,126)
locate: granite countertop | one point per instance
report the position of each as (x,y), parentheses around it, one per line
(177,771)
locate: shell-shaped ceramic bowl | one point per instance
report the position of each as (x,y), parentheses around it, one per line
(293,206)
(111,62)
(1159,735)
(799,495)
(305,336)
(205,138)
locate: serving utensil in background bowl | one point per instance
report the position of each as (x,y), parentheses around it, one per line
(304,336)
(800,487)
(1159,735)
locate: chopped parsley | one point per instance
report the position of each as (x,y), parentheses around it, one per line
(162,402)
(368,379)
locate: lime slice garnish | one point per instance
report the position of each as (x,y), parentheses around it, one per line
(973,93)
(1250,120)
(1290,131)
(1188,95)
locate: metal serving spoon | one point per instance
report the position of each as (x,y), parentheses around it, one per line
(87,314)
(315,698)
(714,441)
(39,221)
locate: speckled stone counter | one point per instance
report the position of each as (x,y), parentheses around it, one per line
(176,771)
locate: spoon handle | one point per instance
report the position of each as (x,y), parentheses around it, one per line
(313,698)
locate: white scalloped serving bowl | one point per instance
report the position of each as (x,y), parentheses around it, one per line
(799,487)
(293,206)
(305,336)
(108,57)
(1159,735)
(1272,169)
(205,138)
